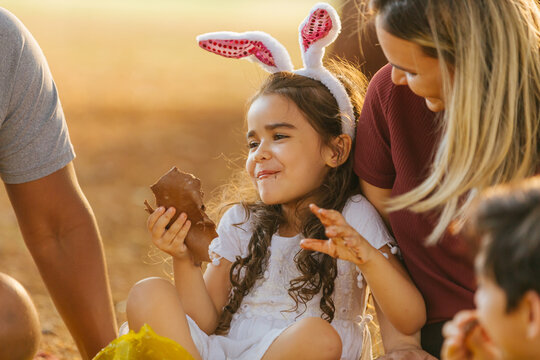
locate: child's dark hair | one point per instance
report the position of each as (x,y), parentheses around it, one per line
(318,270)
(507,218)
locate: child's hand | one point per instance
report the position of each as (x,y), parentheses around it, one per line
(169,240)
(344,241)
(465,339)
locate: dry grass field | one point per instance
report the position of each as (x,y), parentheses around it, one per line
(140,97)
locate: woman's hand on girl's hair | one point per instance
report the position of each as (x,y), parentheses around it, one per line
(169,240)
(344,241)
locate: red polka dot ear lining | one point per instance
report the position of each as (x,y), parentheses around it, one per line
(319,29)
(238,49)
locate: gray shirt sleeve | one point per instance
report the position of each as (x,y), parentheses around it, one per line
(34,139)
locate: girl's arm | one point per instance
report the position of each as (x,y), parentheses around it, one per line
(200,296)
(398,346)
(392,288)
(394,291)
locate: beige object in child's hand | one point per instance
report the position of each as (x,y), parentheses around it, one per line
(183,192)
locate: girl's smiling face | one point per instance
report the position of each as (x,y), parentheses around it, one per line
(286,158)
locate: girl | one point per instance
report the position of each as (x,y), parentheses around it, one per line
(455,111)
(263,296)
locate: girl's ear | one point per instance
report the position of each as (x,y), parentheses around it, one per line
(338,151)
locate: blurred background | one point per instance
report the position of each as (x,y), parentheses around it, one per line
(140,96)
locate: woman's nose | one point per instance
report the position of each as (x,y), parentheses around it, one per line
(399,77)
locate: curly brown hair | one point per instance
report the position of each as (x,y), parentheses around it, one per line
(318,271)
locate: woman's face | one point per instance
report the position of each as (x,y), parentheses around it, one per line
(412,67)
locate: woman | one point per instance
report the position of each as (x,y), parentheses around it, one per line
(455,111)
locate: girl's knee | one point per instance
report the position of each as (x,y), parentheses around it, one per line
(147,292)
(326,337)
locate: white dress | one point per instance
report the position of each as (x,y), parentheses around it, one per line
(262,316)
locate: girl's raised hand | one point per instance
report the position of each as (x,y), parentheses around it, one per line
(344,241)
(169,240)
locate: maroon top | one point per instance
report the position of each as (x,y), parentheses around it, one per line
(395,144)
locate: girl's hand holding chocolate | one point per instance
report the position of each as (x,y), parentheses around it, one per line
(172,239)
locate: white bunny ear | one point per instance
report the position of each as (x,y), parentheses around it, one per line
(317,31)
(256,46)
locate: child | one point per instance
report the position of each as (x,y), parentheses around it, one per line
(19,322)
(506,323)
(263,296)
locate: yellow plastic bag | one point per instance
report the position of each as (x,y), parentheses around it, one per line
(145,344)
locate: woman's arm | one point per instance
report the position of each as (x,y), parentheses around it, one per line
(377,197)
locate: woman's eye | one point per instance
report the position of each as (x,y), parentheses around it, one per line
(252,144)
(280,136)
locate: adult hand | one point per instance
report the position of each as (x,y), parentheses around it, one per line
(466,339)
(171,240)
(344,241)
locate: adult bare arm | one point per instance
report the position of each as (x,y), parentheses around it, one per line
(59,229)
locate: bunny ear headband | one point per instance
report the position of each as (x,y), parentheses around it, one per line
(316,32)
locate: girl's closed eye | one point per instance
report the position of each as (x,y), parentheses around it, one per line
(252,144)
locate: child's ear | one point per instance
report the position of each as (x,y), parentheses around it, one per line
(338,151)
(531,299)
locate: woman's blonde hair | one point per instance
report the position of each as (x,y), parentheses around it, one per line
(489,57)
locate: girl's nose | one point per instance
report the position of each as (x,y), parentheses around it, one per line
(262,153)
(399,77)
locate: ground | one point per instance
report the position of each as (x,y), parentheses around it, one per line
(140,97)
